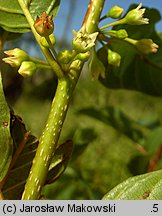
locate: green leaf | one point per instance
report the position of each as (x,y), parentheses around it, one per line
(137,72)
(14,185)
(154,140)
(96,67)
(150,122)
(12,18)
(6,36)
(117,119)
(5,137)
(25,146)
(147,186)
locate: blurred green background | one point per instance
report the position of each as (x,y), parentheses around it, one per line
(116,132)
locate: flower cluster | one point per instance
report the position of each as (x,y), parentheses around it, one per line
(19,58)
(133,17)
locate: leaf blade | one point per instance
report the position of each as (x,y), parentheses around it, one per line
(146,186)
(12,18)
(5,137)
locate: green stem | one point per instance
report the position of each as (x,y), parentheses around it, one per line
(49,140)
(104,17)
(43,66)
(60,104)
(131,41)
(118,22)
(112,33)
(55,66)
(51,47)
(92,16)
(39,61)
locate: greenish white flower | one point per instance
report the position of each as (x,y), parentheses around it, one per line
(15,57)
(146,46)
(83,41)
(135,16)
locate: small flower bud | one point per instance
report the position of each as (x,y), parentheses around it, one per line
(27,68)
(83,56)
(83,41)
(114,58)
(135,16)
(121,34)
(115,12)
(146,46)
(45,43)
(65,56)
(96,67)
(15,57)
(44,25)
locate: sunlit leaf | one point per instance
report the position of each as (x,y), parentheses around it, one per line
(12,17)
(147,186)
